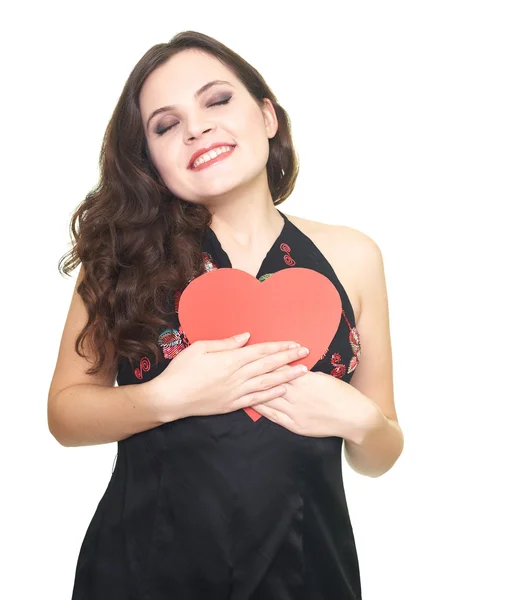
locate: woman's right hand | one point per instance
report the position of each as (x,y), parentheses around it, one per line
(220,376)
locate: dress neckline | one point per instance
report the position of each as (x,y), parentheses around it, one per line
(225,259)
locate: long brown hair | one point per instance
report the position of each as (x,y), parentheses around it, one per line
(138,242)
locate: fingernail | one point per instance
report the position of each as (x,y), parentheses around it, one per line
(293,345)
(303,352)
(241,337)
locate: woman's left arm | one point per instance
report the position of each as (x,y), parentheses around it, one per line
(362,411)
(381,442)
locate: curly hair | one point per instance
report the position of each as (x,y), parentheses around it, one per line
(137,241)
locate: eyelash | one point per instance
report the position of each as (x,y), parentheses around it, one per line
(162,131)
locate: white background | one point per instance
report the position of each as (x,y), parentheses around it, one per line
(400,115)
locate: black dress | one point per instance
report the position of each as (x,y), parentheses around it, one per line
(222,507)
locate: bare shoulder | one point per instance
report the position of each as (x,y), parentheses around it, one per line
(347,237)
(352,254)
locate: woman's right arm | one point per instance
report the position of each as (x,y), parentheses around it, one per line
(87,409)
(86,414)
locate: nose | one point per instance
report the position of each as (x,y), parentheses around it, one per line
(196,129)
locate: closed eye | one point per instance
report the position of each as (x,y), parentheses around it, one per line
(221,102)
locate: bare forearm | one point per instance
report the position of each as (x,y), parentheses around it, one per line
(380,447)
(88,414)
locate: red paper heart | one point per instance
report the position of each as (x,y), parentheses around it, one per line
(292,304)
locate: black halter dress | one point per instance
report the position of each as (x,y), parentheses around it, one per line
(222,507)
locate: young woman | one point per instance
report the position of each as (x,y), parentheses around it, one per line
(204,500)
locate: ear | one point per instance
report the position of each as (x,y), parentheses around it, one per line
(269,115)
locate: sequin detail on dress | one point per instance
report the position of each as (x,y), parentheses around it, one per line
(340,369)
(172,342)
(208,261)
(355,343)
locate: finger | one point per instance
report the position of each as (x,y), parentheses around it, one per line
(266,411)
(248,399)
(252,353)
(290,372)
(266,381)
(280,404)
(277,416)
(229,343)
(270,363)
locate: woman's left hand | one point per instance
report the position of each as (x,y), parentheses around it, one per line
(320,405)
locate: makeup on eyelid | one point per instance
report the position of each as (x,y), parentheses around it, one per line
(219,103)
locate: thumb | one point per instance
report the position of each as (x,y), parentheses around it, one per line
(235,341)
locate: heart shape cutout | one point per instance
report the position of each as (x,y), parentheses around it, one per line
(296,304)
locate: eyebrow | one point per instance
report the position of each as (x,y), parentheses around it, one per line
(198,93)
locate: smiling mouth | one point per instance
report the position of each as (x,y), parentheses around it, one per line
(212,157)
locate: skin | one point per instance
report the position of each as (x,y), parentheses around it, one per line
(236,192)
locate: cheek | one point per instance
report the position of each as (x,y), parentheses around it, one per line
(165,159)
(252,135)
(251,125)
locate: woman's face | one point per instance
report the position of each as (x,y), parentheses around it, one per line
(193,123)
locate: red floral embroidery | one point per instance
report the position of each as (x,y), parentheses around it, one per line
(208,261)
(144,366)
(356,347)
(339,369)
(355,343)
(172,342)
(287,258)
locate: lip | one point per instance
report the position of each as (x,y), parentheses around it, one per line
(206,149)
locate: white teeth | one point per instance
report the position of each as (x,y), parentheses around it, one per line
(210,155)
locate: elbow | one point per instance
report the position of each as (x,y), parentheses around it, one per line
(54,426)
(60,440)
(53,429)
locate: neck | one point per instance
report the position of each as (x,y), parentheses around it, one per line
(247,222)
